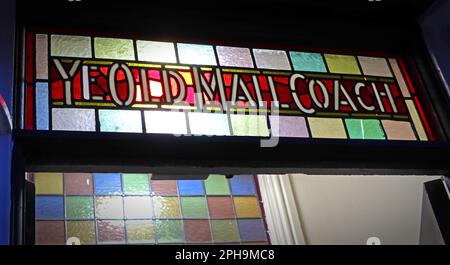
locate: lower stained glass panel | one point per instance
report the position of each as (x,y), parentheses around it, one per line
(134,209)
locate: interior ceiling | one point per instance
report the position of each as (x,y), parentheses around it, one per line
(345,7)
(260,21)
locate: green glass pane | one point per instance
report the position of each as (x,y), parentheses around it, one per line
(217,185)
(71,46)
(194,207)
(224,231)
(79,207)
(169,231)
(83,230)
(140,231)
(365,129)
(112,48)
(136,184)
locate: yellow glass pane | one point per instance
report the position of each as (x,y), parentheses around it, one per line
(140,231)
(327,128)
(83,230)
(246,207)
(187,78)
(342,64)
(416,120)
(49,183)
(166,207)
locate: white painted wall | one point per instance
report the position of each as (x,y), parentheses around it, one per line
(350,209)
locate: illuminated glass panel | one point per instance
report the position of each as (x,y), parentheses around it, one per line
(42,56)
(73,120)
(327,128)
(116,85)
(120,121)
(71,46)
(208,124)
(342,64)
(234,56)
(112,48)
(398,130)
(374,66)
(156,51)
(110,208)
(271,59)
(365,129)
(308,61)
(196,54)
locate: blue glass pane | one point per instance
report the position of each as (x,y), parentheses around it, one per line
(243,185)
(127,121)
(191,187)
(42,106)
(308,61)
(107,184)
(49,207)
(252,230)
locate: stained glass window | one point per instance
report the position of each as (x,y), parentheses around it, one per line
(135,209)
(122,85)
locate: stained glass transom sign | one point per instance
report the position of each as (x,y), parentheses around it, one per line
(107,208)
(101,84)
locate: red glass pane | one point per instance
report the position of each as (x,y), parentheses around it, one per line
(29,119)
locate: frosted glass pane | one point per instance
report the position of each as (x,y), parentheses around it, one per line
(120,121)
(137,207)
(196,54)
(308,61)
(286,126)
(111,48)
(156,51)
(398,130)
(271,59)
(327,128)
(165,122)
(399,76)
(342,64)
(73,120)
(416,119)
(208,124)
(374,66)
(41,56)
(249,125)
(42,110)
(71,46)
(234,56)
(109,207)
